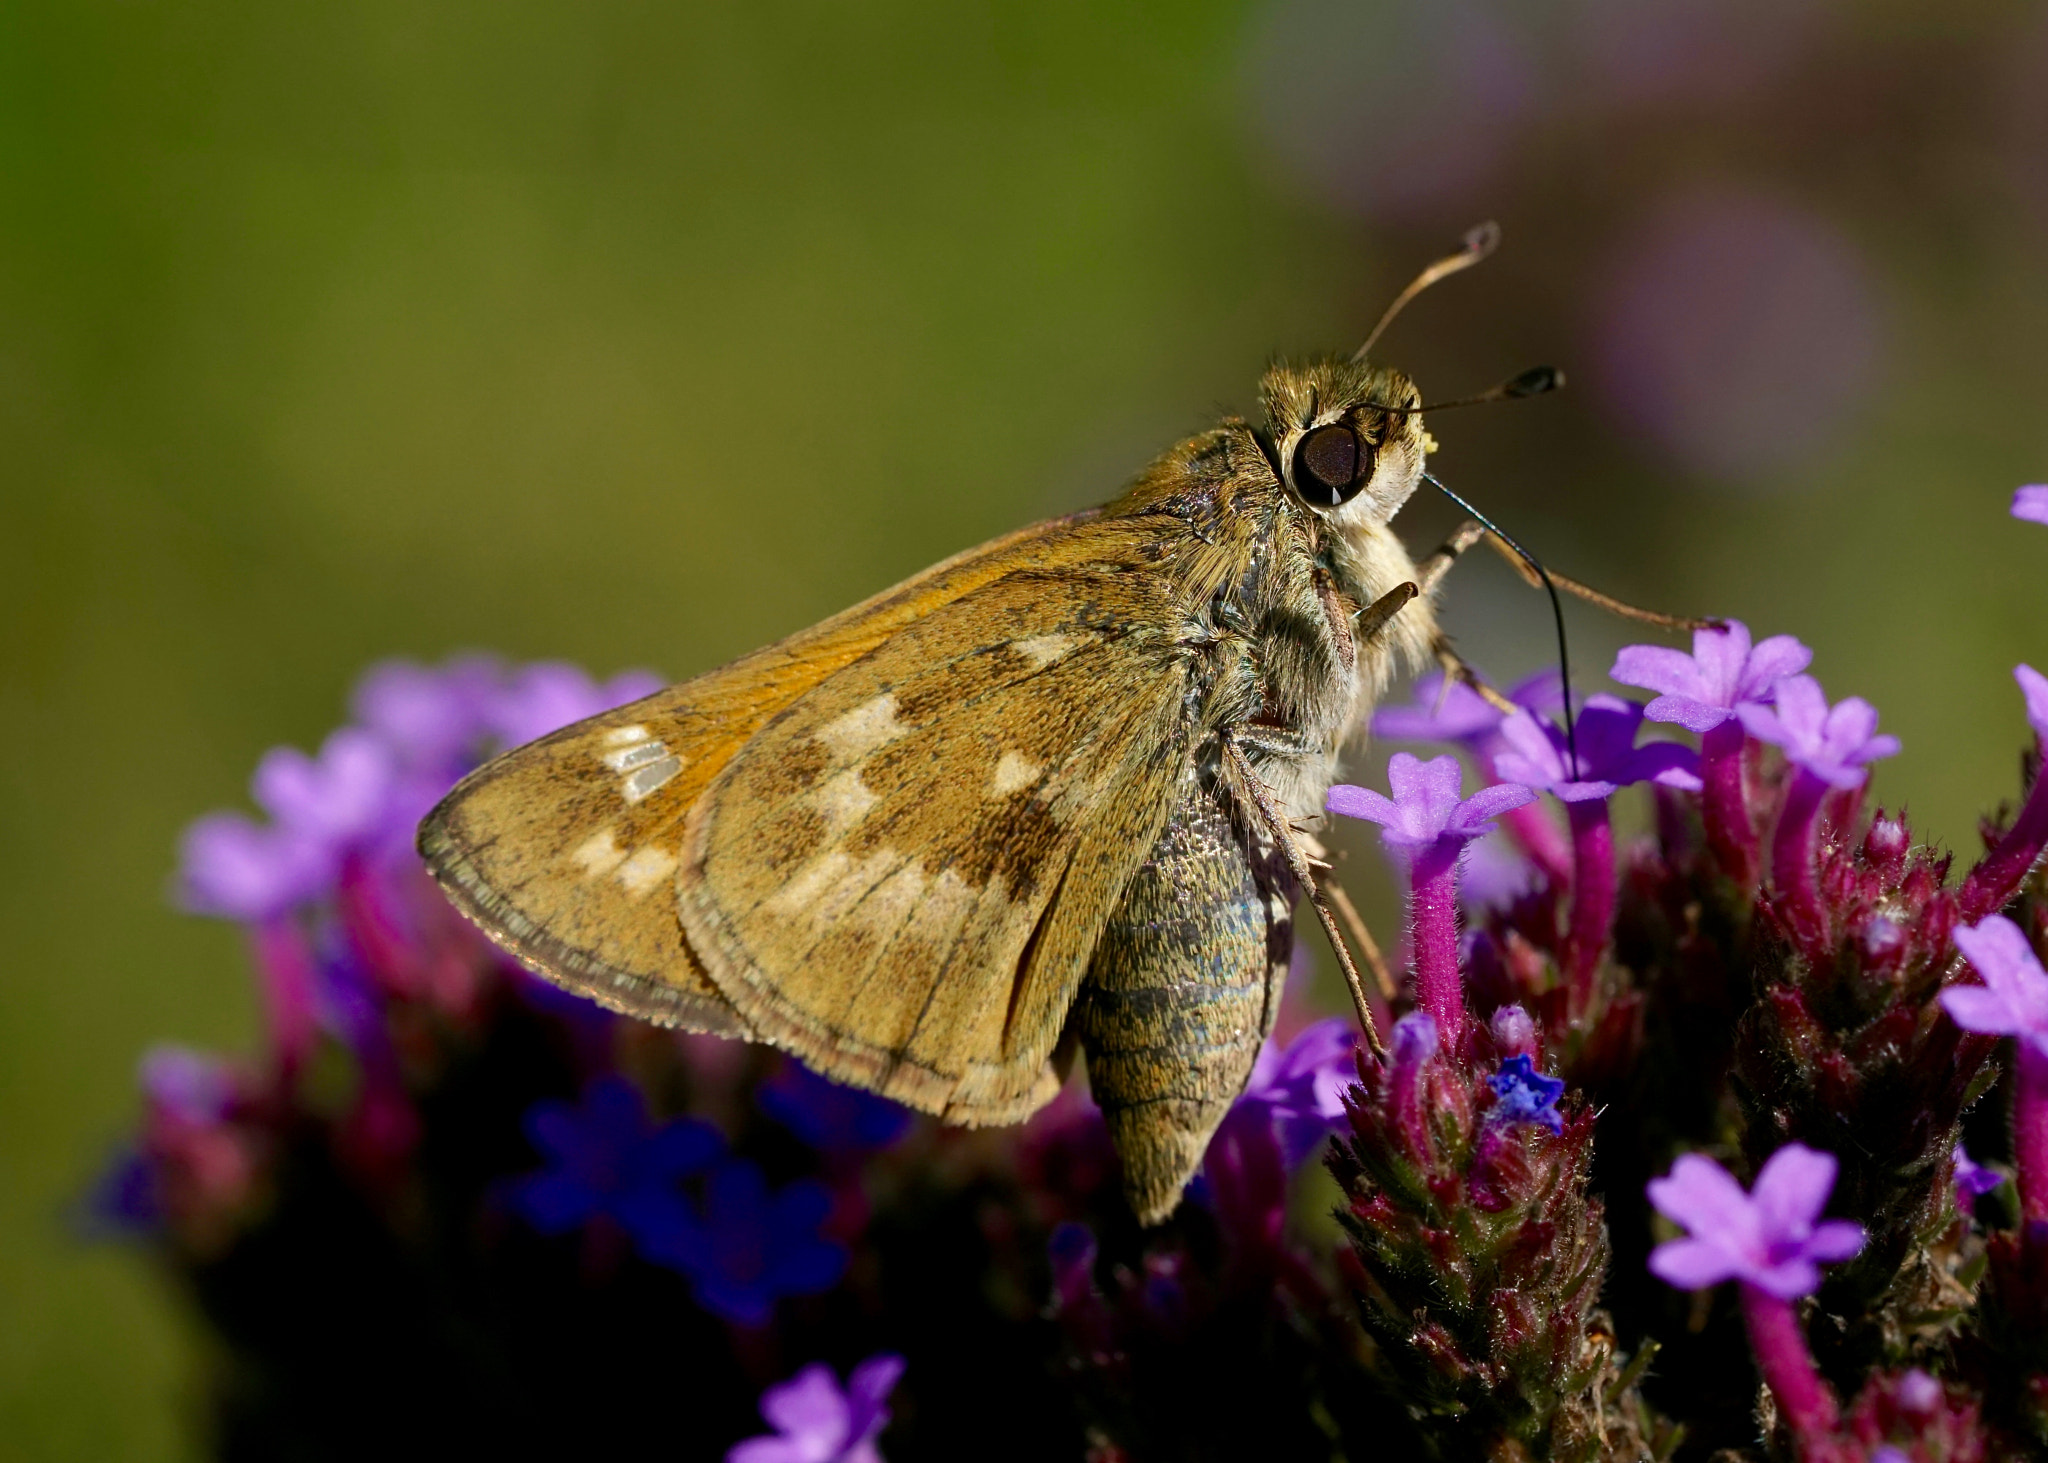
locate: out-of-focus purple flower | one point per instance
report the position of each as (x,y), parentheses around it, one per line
(1724,671)
(750,1246)
(816,1422)
(232,867)
(1426,806)
(2034,686)
(605,1157)
(1608,757)
(1496,874)
(2031,503)
(1393,111)
(829,1117)
(2013,1001)
(430,716)
(1772,1237)
(1973,1179)
(1836,744)
(548,695)
(1732,307)
(340,797)
(1300,1087)
(193,1086)
(1689,51)
(124,1202)
(1461,715)
(1526,1095)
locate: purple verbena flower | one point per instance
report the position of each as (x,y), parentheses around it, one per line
(750,1246)
(548,695)
(1608,757)
(232,867)
(2034,686)
(1460,714)
(1526,1095)
(1426,807)
(816,1422)
(1973,1179)
(605,1157)
(1300,1087)
(2013,1000)
(1772,1238)
(193,1086)
(341,797)
(2031,503)
(1724,671)
(430,716)
(831,1118)
(1835,744)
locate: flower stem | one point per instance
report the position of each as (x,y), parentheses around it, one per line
(1592,895)
(2030,1130)
(1779,1343)
(1993,882)
(1433,930)
(1724,805)
(286,966)
(1794,858)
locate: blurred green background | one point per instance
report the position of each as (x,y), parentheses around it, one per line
(641,334)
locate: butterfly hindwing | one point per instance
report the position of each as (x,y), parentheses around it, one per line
(903,877)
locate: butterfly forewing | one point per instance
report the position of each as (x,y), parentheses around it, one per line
(902,878)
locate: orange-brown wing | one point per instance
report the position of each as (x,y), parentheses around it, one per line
(562,850)
(902,877)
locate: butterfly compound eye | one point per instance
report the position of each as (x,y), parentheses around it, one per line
(1330,466)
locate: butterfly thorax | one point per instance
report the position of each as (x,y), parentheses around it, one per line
(1271,587)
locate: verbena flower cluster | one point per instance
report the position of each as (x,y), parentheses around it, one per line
(1669,1153)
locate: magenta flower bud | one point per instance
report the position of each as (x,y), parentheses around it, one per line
(1995,880)
(1411,1047)
(1514,1032)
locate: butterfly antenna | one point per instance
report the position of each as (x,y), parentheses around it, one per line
(1479,243)
(1564,665)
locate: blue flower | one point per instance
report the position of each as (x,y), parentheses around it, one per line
(829,1117)
(1526,1095)
(751,1247)
(604,1157)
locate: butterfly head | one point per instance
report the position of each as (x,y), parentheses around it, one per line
(1346,436)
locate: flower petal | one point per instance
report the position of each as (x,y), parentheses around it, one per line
(1657,668)
(2031,503)
(2034,686)
(1791,1189)
(1702,1196)
(1693,1264)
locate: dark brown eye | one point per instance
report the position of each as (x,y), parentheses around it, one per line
(1331,465)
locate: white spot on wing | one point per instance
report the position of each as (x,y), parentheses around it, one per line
(625,736)
(1043,650)
(863,729)
(645,780)
(637,755)
(843,800)
(1012,772)
(647,867)
(598,854)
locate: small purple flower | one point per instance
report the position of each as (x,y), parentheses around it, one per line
(430,716)
(816,1422)
(548,695)
(2034,686)
(1724,671)
(1526,1095)
(232,867)
(1608,757)
(750,1246)
(604,1157)
(1772,1238)
(2031,503)
(340,797)
(1300,1087)
(193,1086)
(1461,714)
(1425,807)
(1835,744)
(1514,1031)
(1973,1179)
(2013,1001)
(829,1117)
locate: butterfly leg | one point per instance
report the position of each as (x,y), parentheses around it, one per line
(1182,991)
(1255,792)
